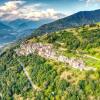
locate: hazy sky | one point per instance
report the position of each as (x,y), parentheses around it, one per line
(43,9)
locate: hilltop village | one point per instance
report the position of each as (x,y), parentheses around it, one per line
(46,51)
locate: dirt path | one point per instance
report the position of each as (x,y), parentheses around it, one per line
(29,78)
(0,95)
(92,57)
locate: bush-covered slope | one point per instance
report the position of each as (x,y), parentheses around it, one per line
(55,80)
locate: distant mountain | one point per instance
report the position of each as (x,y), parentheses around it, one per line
(17,29)
(78,19)
(6,37)
(10,31)
(4,26)
(20,23)
(23,24)
(24,33)
(20,28)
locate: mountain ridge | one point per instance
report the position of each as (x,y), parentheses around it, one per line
(75,20)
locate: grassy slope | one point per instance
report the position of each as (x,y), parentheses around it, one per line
(56,80)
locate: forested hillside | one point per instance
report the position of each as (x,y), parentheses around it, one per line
(27,73)
(78,19)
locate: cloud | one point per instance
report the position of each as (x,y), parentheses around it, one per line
(19,9)
(92,2)
(11,5)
